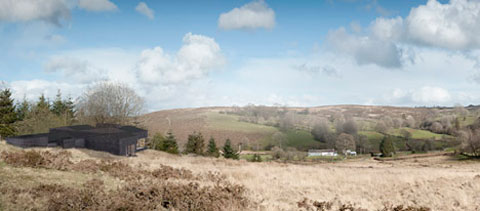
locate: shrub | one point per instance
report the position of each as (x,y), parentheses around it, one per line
(256,158)
(157,142)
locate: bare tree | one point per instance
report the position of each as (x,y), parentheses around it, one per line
(381,127)
(470,142)
(410,121)
(350,127)
(108,102)
(321,130)
(436,127)
(345,142)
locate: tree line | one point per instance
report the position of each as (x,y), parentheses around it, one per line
(195,145)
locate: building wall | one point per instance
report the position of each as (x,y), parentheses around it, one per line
(40,140)
(105,143)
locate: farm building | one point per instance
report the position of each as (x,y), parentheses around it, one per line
(322,152)
(115,139)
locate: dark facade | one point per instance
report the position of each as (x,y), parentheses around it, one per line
(115,139)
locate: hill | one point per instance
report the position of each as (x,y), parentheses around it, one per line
(254,126)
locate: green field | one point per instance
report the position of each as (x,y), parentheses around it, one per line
(302,140)
(230,122)
(416,134)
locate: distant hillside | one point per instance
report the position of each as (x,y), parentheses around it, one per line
(255,126)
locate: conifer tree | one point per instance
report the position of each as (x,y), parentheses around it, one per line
(212,149)
(58,106)
(228,151)
(170,143)
(23,109)
(195,144)
(386,146)
(8,115)
(42,104)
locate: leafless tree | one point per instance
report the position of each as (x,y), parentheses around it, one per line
(321,130)
(108,102)
(410,121)
(397,123)
(345,142)
(436,127)
(470,141)
(381,127)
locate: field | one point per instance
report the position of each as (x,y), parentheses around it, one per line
(435,181)
(255,131)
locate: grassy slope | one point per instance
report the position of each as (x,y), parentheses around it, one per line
(230,122)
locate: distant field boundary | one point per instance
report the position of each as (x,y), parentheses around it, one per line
(407,157)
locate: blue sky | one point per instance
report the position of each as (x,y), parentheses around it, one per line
(214,53)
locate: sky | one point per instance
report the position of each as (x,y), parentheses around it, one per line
(179,54)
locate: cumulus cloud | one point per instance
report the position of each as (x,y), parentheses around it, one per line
(196,58)
(365,49)
(32,89)
(145,10)
(79,70)
(97,5)
(426,95)
(454,25)
(253,15)
(53,11)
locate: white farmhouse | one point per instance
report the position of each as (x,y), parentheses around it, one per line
(322,152)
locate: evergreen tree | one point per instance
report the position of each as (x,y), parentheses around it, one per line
(386,146)
(228,151)
(212,149)
(23,109)
(195,144)
(157,142)
(58,106)
(8,115)
(170,143)
(69,110)
(42,103)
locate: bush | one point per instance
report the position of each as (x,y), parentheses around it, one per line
(256,158)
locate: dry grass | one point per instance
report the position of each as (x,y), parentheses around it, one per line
(435,182)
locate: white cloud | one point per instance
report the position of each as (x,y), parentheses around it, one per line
(255,14)
(454,25)
(365,49)
(32,89)
(97,5)
(426,95)
(196,58)
(451,26)
(79,70)
(145,10)
(53,11)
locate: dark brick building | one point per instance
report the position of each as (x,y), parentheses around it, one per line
(115,139)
